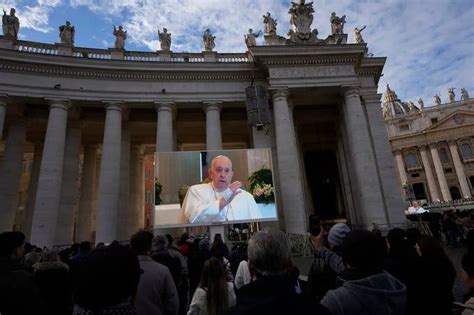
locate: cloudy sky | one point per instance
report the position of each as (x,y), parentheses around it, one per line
(429,43)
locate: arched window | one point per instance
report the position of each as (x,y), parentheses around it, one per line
(466,150)
(410,160)
(443,155)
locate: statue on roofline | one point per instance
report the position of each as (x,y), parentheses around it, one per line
(250,37)
(421,103)
(165,39)
(451,95)
(208,40)
(437,99)
(120,37)
(10,24)
(464,94)
(66,34)
(337,24)
(301,18)
(270,24)
(358,36)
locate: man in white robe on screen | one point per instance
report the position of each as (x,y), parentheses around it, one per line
(220,200)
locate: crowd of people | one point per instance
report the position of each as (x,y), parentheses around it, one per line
(353,272)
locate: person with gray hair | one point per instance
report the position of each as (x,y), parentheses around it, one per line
(273,289)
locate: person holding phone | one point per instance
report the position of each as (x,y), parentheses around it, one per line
(327,263)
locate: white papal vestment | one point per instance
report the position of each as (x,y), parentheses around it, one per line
(201,205)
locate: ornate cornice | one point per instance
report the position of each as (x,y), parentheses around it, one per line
(131,74)
(302,61)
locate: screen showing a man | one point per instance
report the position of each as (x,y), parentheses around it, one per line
(221,199)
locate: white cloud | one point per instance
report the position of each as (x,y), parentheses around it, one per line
(429,43)
(187,19)
(36,18)
(50,3)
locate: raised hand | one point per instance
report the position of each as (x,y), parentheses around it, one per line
(235,189)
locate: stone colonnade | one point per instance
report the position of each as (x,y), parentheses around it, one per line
(116,184)
(432,150)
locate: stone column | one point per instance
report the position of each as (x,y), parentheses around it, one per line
(51,174)
(3,109)
(466,192)
(10,174)
(390,188)
(429,173)
(69,190)
(213,125)
(125,215)
(109,184)
(95,202)
(88,187)
(401,167)
(141,193)
(135,183)
(164,128)
(32,187)
(288,165)
(365,169)
(440,173)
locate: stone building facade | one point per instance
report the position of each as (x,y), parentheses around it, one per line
(432,147)
(109,110)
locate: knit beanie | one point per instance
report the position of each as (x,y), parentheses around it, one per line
(338,233)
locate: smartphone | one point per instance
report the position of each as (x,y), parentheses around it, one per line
(314,225)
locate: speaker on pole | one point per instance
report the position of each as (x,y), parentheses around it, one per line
(256,101)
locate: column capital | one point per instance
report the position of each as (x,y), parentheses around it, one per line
(212,105)
(165,105)
(62,103)
(351,91)
(280,93)
(453,142)
(372,98)
(397,151)
(114,105)
(434,145)
(423,147)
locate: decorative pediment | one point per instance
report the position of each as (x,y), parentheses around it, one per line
(454,120)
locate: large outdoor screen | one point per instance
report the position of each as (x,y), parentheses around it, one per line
(214,187)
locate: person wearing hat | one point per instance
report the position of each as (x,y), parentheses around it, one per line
(327,263)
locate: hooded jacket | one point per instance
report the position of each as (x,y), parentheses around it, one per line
(375,294)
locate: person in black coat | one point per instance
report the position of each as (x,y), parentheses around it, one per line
(431,289)
(18,292)
(52,277)
(274,289)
